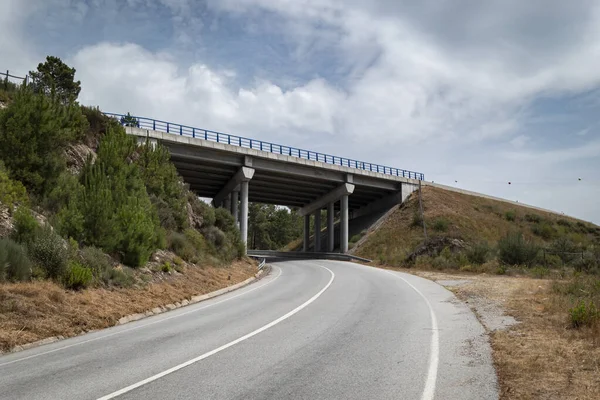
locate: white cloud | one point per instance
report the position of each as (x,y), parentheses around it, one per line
(440,87)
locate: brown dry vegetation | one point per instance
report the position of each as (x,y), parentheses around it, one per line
(472,219)
(542,356)
(36,310)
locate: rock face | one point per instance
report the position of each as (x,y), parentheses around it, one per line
(6,224)
(76,155)
(434,246)
(195,220)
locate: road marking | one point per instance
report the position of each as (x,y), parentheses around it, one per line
(434,350)
(144,325)
(225,346)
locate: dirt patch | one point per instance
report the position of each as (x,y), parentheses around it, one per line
(36,310)
(536,354)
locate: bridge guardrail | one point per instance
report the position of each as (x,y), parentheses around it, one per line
(219,137)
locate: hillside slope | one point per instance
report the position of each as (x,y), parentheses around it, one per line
(472,221)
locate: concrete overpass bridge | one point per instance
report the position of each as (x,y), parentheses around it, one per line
(233,170)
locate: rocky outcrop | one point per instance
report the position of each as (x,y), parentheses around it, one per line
(76,155)
(6,223)
(435,245)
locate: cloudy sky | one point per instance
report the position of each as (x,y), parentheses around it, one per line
(472,93)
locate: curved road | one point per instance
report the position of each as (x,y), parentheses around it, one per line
(308,330)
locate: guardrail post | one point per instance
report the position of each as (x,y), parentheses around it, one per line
(217,137)
(228,139)
(153,125)
(193,132)
(167,127)
(180,130)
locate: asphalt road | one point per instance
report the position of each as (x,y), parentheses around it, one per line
(308,330)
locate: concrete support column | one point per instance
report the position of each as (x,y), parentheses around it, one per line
(227,202)
(234,206)
(306,233)
(344,224)
(317,237)
(244,212)
(330,230)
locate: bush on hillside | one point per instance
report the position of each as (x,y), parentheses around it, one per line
(33,133)
(138,227)
(479,253)
(510,215)
(26,226)
(162,180)
(588,265)
(50,252)
(14,263)
(513,249)
(12,193)
(77,276)
(417,220)
(544,230)
(584,314)
(533,218)
(441,225)
(96,260)
(112,209)
(563,247)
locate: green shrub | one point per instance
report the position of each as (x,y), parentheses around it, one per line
(14,263)
(478,253)
(584,314)
(138,227)
(26,226)
(77,276)
(96,260)
(513,249)
(564,247)
(533,218)
(112,210)
(178,261)
(33,133)
(544,230)
(121,277)
(12,193)
(586,264)
(550,260)
(564,222)
(510,215)
(215,236)
(417,220)
(166,267)
(162,181)
(63,193)
(179,244)
(441,225)
(50,252)
(442,263)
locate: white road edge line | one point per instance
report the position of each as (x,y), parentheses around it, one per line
(219,349)
(141,326)
(434,352)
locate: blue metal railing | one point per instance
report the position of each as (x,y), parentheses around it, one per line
(219,137)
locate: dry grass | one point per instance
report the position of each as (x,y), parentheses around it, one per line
(36,310)
(541,357)
(470,218)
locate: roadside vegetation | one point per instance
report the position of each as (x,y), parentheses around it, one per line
(542,268)
(83,205)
